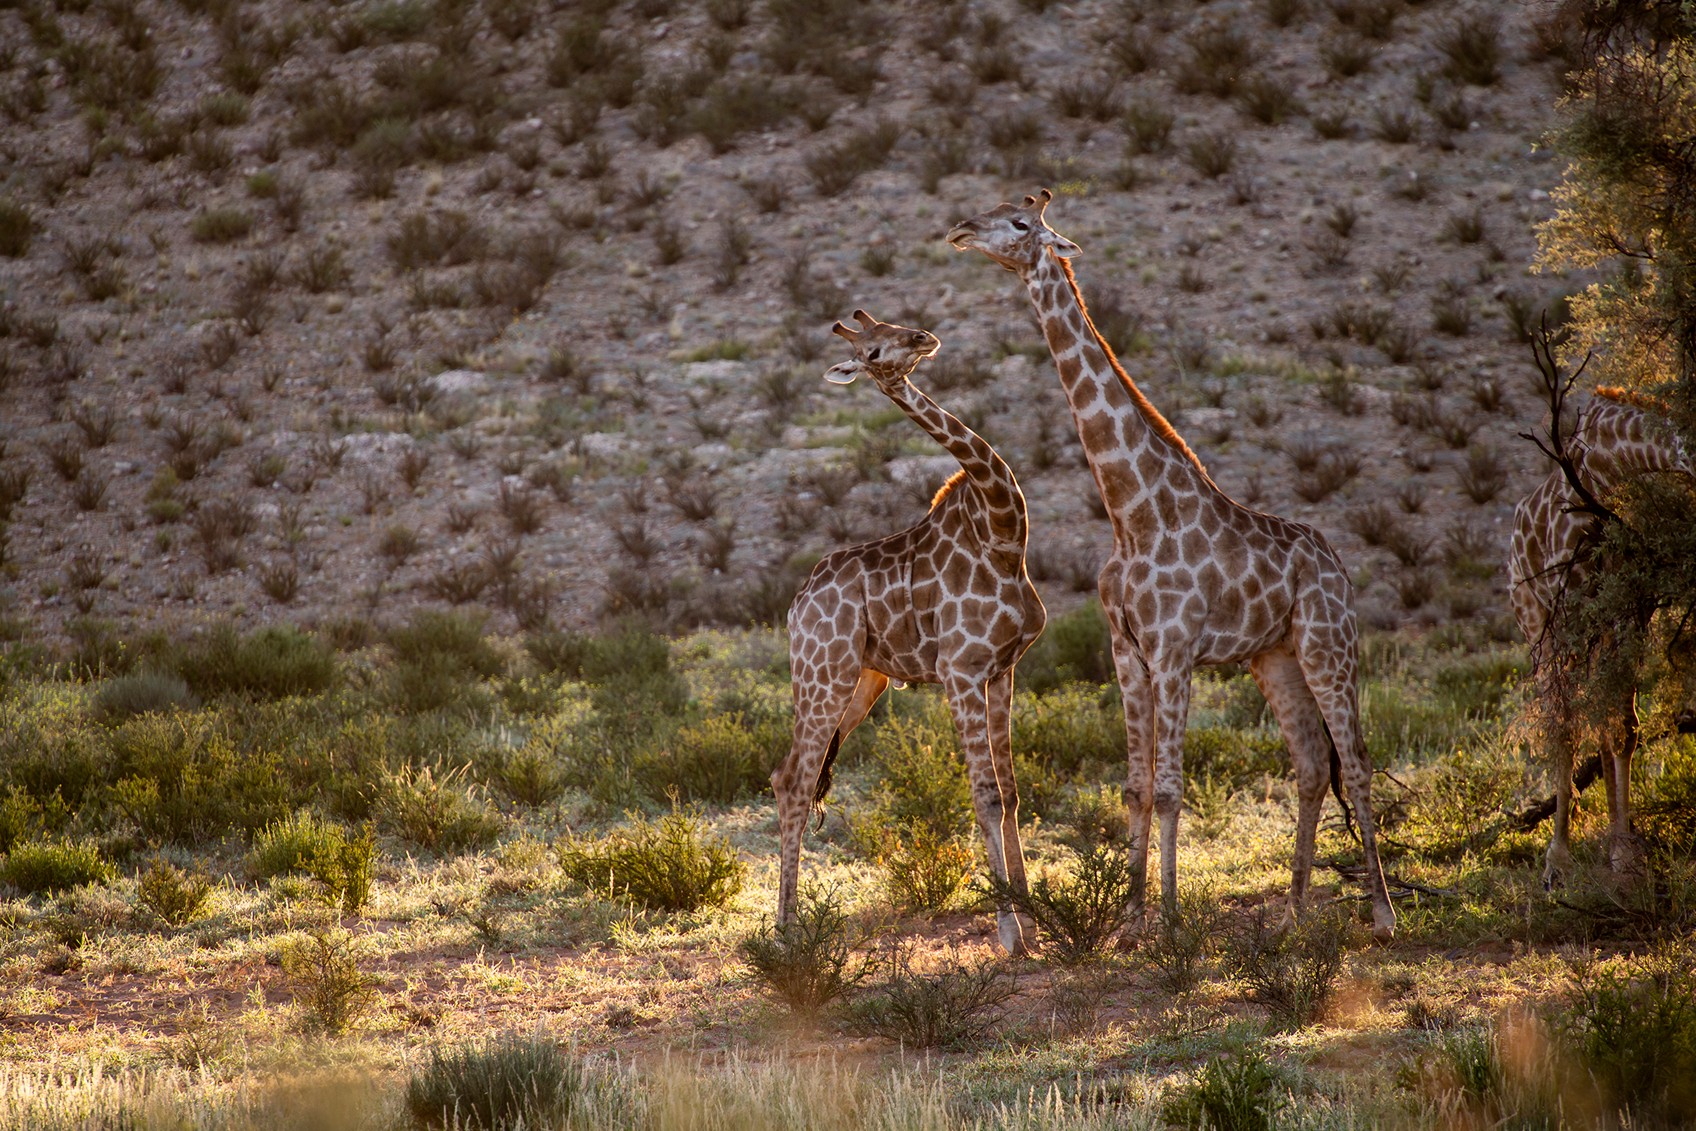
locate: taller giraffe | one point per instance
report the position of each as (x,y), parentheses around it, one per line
(1194,578)
(946,600)
(1611,441)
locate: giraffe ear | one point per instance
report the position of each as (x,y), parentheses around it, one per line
(1063,247)
(845,373)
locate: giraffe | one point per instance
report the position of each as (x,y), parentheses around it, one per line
(945,601)
(1195,578)
(1611,440)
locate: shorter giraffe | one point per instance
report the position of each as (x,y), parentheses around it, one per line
(946,601)
(1611,441)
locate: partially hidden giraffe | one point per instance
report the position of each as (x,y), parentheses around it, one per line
(945,601)
(1611,441)
(1195,578)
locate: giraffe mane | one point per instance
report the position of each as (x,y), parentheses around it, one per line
(947,487)
(1162,427)
(1632,398)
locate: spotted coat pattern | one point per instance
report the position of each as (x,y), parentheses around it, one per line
(1610,441)
(945,601)
(1195,578)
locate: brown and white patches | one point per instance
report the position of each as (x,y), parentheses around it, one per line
(1194,578)
(856,624)
(1613,439)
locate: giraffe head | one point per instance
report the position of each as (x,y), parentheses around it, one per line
(1013,235)
(882,350)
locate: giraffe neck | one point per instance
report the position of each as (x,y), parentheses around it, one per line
(1133,452)
(1621,440)
(984,468)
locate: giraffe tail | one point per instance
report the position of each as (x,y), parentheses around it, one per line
(824,778)
(1337,784)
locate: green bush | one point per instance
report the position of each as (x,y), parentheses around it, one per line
(459,637)
(294,844)
(1179,946)
(1075,917)
(24,818)
(925,870)
(921,783)
(504,1083)
(664,865)
(328,985)
(272,663)
(1667,813)
(1236,756)
(141,694)
(718,759)
(1075,648)
(1069,729)
(1236,1092)
(40,867)
(221,225)
(17,228)
(174,897)
(439,813)
(1633,1027)
(807,963)
(949,1008)
(1292,972)
(181,780)
(533,775)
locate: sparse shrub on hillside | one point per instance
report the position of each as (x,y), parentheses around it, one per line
(1472,49)
(1346,56)
(808,962)
(1219,55)
(837,166)
(503,1082)
(1148,126)
(1212,153)
(17,228)
(221,225)
(1268,100)
(666,865)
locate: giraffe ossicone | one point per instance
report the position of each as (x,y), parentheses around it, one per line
(945,601)
(1195,578)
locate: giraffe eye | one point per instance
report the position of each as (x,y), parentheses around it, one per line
(875,355)
(1021,226)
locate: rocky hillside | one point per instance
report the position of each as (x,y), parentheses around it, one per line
(320,312)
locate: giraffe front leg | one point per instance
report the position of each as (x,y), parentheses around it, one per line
(1138,702)
(1171,689)
(1625,849)
(1013,927)
(1279,677)
(970,706)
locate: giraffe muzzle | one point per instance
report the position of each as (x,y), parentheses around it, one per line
(961,236)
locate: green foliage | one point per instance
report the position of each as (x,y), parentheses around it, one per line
(503,1083)
(24,817)
(1239,757)
(718,759)
(305,844)
(807,963)
(923,869)
(272,663)
(920,781)
(1634,1028)
(1179,946)
(36,867)
(1235,1092)
(140,694)
(328,985)
(1293,971)
(442,813)
(439,657)
(664,865)
(1075,648)
(949,1008)
(1666,812)
(181,779)
(174,897)
(1070,728)
(1075,916)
